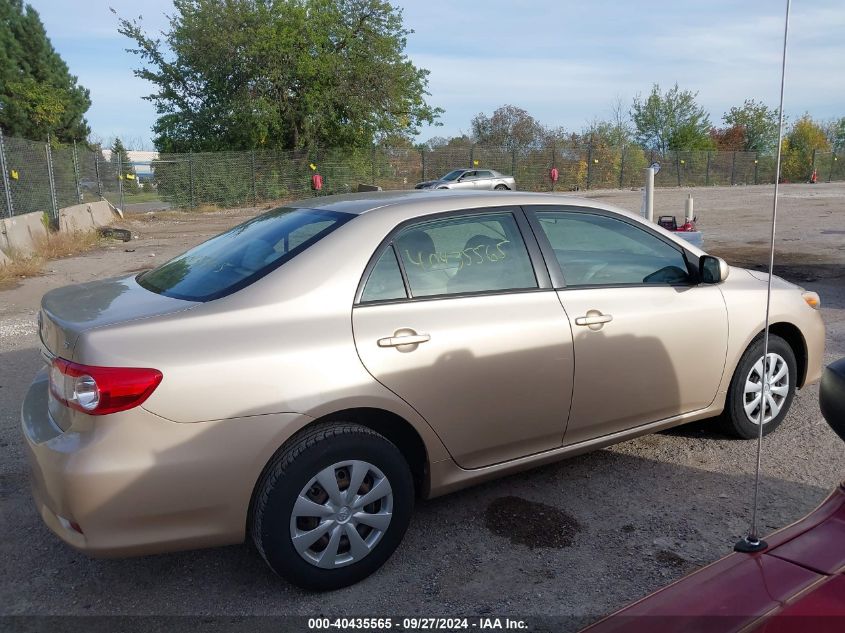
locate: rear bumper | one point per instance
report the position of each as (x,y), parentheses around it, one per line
(134,483)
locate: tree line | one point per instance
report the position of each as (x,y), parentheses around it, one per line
(305,74)
(664,122)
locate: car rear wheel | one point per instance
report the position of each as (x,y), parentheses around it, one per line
(332,507)
(501,188)
(748,396)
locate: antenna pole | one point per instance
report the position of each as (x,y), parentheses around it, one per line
(752,542)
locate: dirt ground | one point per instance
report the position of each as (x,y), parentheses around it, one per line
(578,539)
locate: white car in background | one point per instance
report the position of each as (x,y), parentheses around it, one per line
(477,179)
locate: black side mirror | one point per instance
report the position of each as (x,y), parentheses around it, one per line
(712,270)
(832,396)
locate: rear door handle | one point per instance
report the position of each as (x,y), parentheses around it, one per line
(594,319)
(407,339)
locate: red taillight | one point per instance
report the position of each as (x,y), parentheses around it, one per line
(101,390)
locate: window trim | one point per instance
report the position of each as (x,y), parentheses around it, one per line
(555,269)
(405,285)
(538,265)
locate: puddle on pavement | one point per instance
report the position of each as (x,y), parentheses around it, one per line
(531,523)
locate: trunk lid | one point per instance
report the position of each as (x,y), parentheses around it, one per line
(69,311)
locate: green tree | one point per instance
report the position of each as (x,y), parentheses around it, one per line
(281,74)
(804,138)
(758,122)
(38,95)
(560,136)
(606,132)
(835,132)
(509,126)
(607,140)
(613,132)
(673,121)
(121,165)
(439,142)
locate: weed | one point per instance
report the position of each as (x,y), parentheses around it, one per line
(64,244)
(46,247)
(19,267)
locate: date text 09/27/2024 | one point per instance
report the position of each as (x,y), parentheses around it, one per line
(417,624)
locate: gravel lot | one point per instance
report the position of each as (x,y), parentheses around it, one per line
(578,538)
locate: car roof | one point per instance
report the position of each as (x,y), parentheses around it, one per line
(416,203)
(427,201)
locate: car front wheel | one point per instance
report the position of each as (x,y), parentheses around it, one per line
(749,396)
(332,507)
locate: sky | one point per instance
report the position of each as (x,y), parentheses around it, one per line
(565,63)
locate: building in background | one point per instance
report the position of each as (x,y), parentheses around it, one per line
(141,161)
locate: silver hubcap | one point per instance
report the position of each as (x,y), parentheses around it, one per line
(770,393)
(342,514)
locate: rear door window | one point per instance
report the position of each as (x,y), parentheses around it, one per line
(242,255)
(465,254)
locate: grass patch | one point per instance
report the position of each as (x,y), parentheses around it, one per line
(62,244)
(19,267)
(47,247)
(133,198)
(141,196)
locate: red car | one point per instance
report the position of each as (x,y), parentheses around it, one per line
(796,584)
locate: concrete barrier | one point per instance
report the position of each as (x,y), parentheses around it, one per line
(85,217)
(19,234)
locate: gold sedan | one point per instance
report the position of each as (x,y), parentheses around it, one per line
(302,378)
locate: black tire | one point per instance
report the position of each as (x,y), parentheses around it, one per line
(291,469)
(734,419)
(501,188)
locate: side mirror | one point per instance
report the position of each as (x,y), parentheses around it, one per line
(832,396)
(712,270)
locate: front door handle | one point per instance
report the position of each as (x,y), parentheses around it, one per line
(594,319)
(404,338)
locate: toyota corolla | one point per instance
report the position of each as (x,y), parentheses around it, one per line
(302,378)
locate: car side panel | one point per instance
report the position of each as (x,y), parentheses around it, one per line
(661,355)
(495,378)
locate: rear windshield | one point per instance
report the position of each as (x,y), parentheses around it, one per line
(242,255)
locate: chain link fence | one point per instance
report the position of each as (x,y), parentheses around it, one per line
(40,177)
(43,177)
